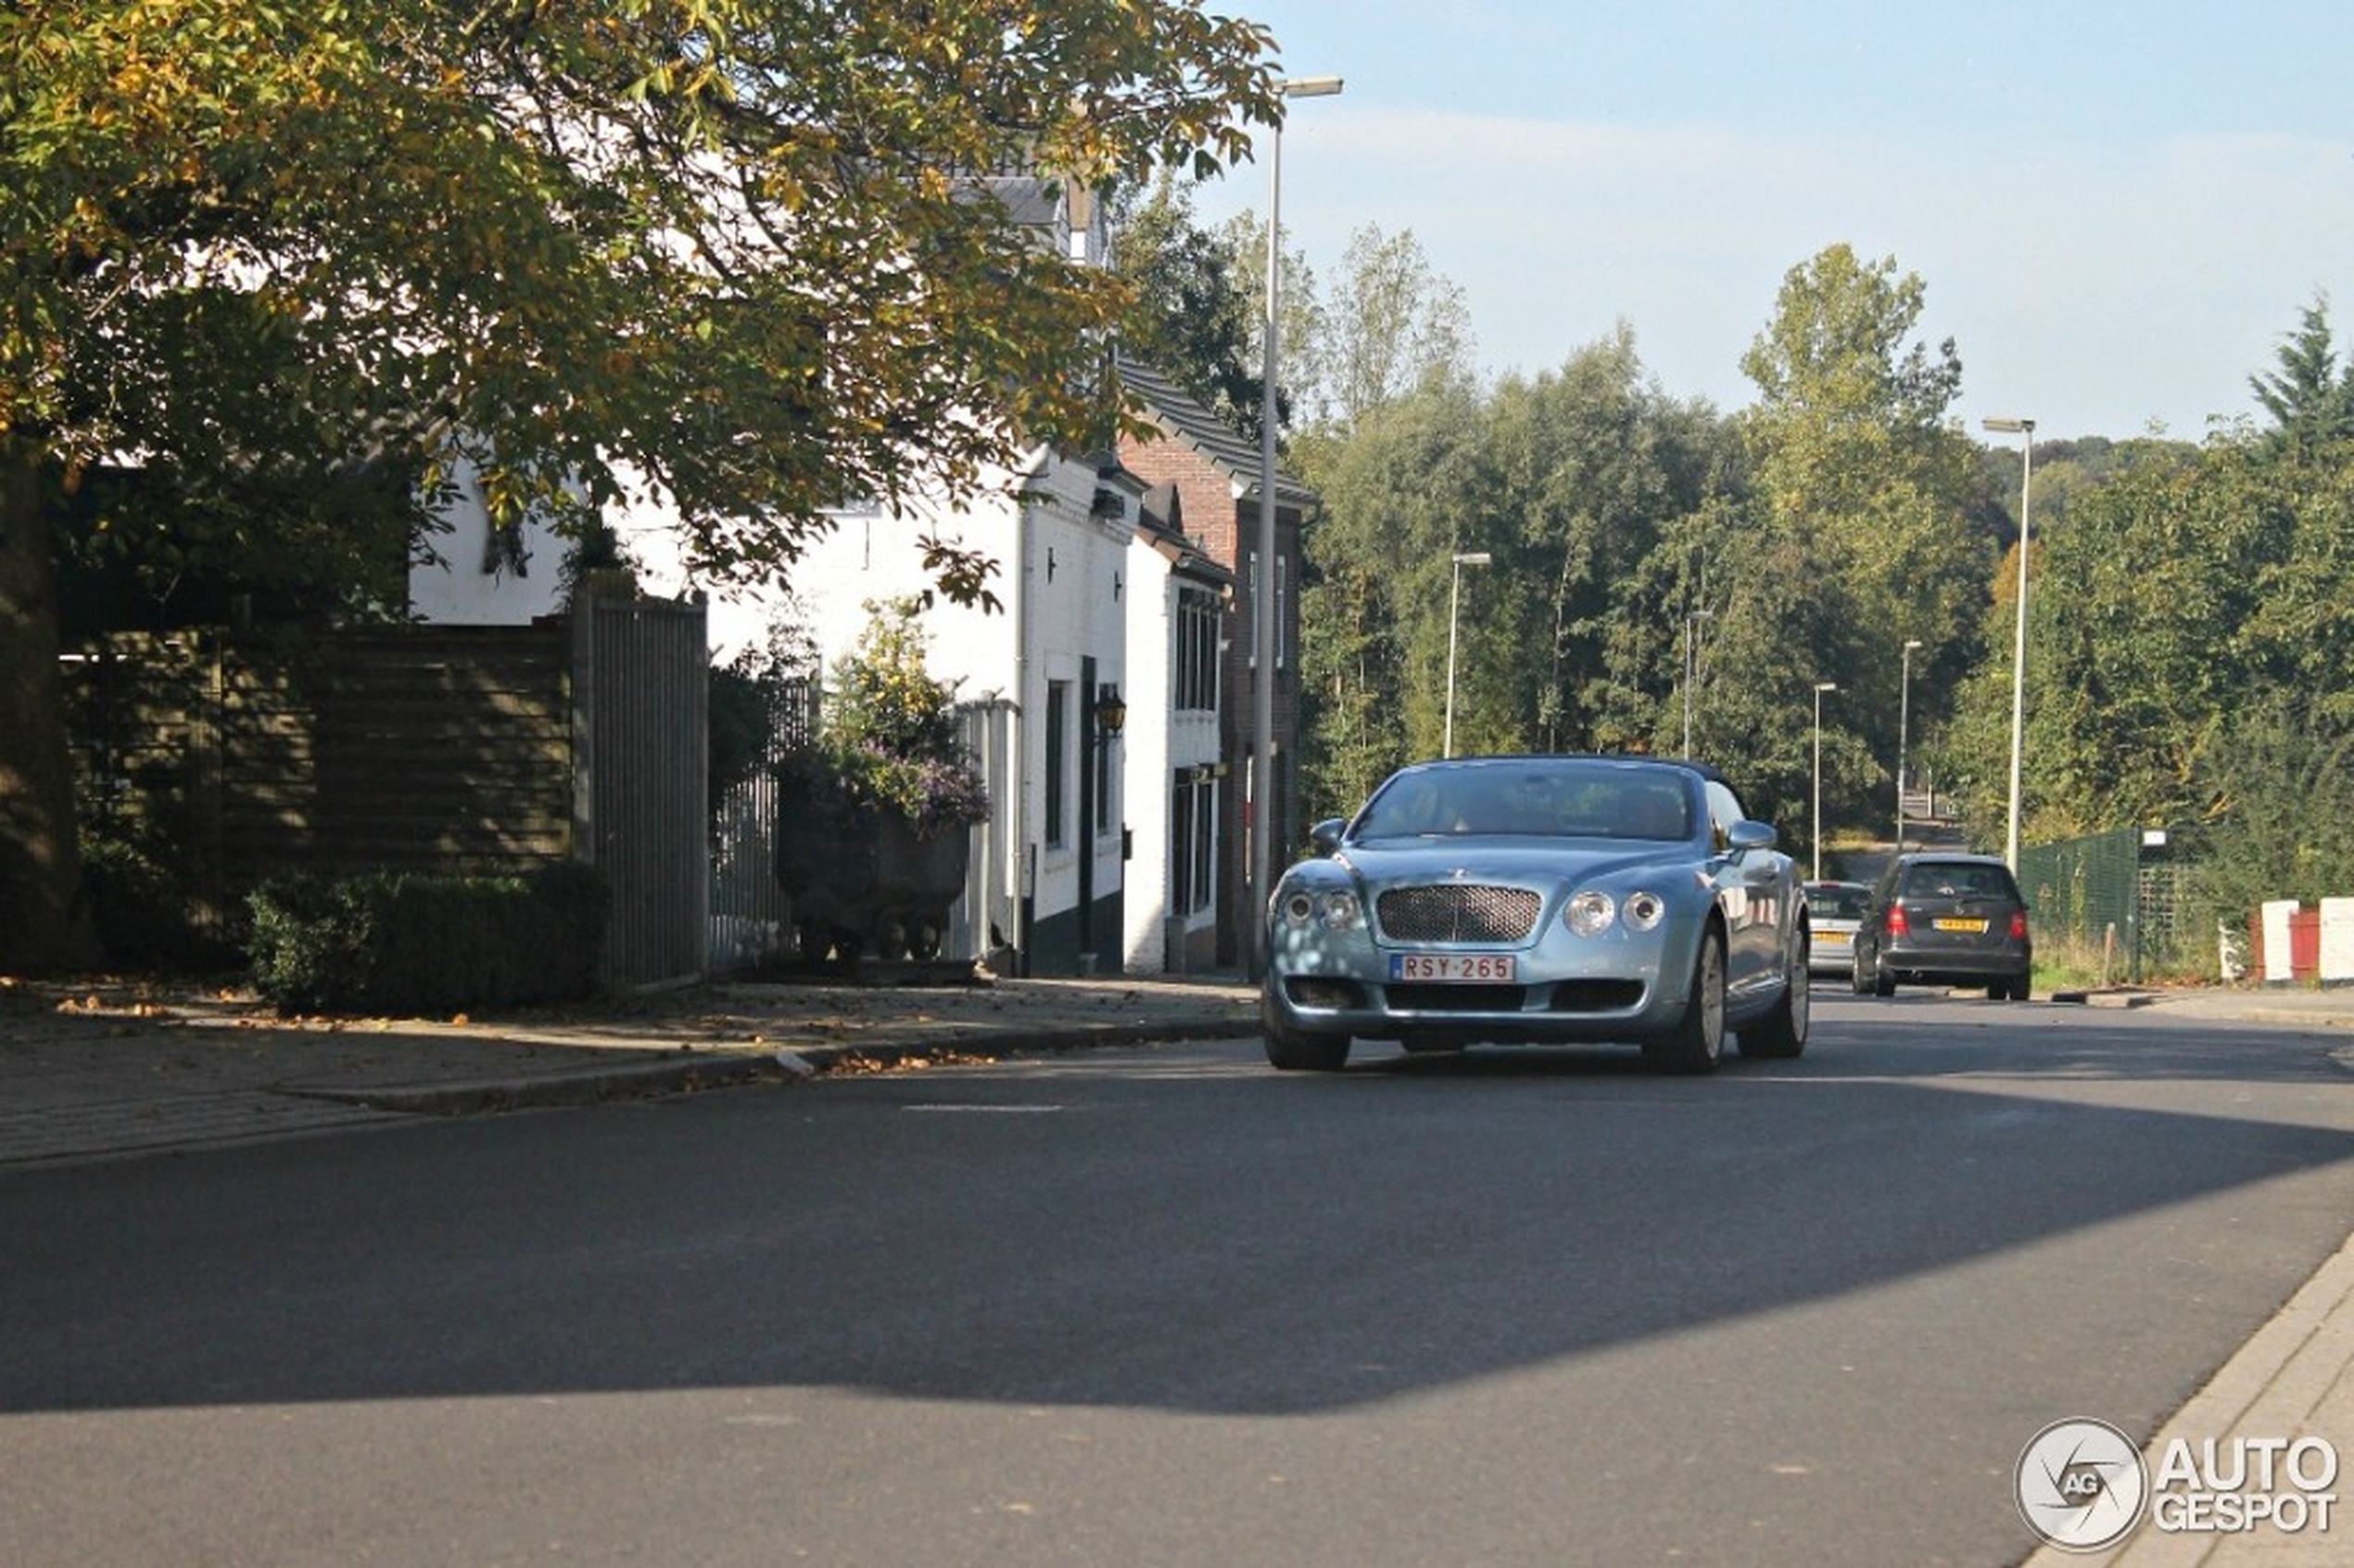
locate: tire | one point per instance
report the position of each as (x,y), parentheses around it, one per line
(1299,1050)
(2019,987)
(1781,1034)
(1883,983)
(1696,1044)
(1857,980)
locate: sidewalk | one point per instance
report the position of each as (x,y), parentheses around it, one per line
(110,1071)
(2294,1379)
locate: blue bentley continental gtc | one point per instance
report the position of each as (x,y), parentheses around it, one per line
(1541,900)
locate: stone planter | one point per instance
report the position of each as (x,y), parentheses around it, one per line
(864,882)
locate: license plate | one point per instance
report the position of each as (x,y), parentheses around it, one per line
(1455,968)
(1974,926)
(1833,939)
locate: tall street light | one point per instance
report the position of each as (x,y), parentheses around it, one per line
(1904,724)
(1262,706)
(2025,427)
(1691,668)
(1820,688)
(1454,597)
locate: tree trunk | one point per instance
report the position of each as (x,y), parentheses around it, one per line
(45,919)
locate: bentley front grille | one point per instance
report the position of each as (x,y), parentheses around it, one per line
(1458,912)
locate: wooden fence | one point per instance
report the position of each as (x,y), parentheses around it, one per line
(449,749)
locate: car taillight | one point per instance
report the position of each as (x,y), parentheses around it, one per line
(1897,924)
(2018,925)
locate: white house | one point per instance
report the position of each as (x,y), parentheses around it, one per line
(1095,699)
(1178,599)
(1041,680)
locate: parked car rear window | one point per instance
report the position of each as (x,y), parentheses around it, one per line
(1838,904)
(1935,880)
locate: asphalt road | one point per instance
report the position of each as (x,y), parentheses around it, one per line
(1164,1306)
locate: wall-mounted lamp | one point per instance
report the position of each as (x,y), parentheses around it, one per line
(1111,711)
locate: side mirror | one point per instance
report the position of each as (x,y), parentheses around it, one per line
(1746,836)
(1326,836)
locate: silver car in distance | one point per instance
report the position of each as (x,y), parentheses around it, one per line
(1541,900)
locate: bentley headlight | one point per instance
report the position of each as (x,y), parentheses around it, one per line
(1334,909)
(1589,913)
(1645,911)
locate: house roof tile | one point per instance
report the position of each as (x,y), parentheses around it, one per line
(1187,420)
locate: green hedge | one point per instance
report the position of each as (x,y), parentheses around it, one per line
(403,941)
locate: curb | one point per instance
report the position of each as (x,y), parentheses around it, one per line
(590,1086)
(680,1074)
(2113,997)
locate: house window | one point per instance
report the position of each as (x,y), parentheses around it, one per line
(1250,605)
(1058,824)
(1196,651)
(1282,588)
(1193,822)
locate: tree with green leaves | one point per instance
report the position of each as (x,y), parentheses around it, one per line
(1193,321)
(1567,482)
(1865,482)
(1399,496)
(1391,323)
(2179,595)
(2310,397)
(745,253)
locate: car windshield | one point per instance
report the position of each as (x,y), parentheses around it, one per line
(1538,796)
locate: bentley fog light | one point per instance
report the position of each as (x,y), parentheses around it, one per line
(1591,913)
(1645,910)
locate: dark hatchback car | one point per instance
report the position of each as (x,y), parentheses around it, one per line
(1942,918)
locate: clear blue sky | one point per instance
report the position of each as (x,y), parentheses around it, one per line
(2118,209)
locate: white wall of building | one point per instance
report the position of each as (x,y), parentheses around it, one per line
(1062,584)
(1160,744)
(472,583)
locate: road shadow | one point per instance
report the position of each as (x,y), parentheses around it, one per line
(1221,1239)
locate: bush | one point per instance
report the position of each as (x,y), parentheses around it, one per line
(399,942)
(141,905)
(890,738)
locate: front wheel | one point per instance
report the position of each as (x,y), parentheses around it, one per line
(1783,1033)
(1696,1044)
(1299,1050)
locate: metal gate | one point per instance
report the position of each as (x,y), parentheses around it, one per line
(640,702)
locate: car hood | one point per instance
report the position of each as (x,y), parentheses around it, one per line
(1543,860)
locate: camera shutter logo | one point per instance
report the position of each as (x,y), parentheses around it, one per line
(2081,1485)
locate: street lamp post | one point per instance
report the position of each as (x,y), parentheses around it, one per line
(1454,597)
(1262,763)
(1820,687)
(1691,667)
(1904,725)
(2026,428)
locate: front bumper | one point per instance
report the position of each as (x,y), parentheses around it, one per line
(1603,1000)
